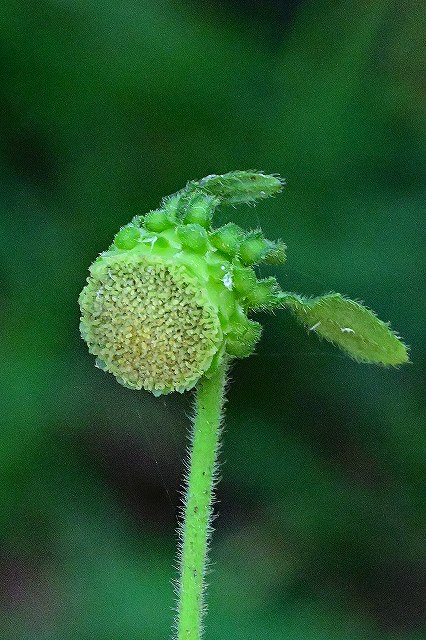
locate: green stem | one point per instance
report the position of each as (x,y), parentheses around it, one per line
(196,527)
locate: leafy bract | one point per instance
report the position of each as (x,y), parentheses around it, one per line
(350,326)
(238,187)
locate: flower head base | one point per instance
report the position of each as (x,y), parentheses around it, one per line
(171,297)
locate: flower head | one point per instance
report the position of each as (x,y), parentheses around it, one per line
(170,297)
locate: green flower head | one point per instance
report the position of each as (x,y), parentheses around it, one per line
(172,295)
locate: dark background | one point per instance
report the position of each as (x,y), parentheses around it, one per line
(105,108)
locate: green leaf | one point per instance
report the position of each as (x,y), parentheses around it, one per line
(350,326)
(240,186)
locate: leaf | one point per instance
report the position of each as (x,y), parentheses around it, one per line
(350,326)
(241,186)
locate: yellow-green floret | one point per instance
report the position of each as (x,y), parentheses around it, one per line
(149,322)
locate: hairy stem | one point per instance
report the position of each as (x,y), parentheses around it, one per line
(196,526)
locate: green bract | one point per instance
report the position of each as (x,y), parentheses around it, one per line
(171,297)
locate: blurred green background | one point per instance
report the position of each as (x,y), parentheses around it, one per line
(107,107)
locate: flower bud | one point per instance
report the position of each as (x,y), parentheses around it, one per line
(244,280)
(254,248)
(199,210)
(242,339)
(173,205)
(193,237)
(158,221)
(227,239)
(276,253)
(127,238)
(264,295)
